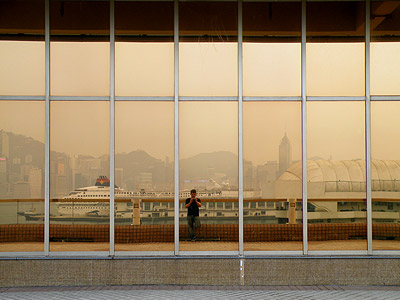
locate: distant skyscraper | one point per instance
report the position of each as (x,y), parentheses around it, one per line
(3,170)
(28,158)
(119,177)
(247,175)
(145,181)
(5,144)
(285,155)
(21,190)
(61,185)
(35,183)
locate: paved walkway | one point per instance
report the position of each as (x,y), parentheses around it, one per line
(203,292)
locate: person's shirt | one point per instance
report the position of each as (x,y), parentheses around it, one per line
(193,209)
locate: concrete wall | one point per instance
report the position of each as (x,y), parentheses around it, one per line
(200,271)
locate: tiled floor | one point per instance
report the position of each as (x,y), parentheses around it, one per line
(203,292)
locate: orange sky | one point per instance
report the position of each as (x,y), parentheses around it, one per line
(334,129)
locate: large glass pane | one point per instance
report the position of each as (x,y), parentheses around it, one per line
(208,49)
(335,48)
(272,176)
(144,175)
(271,49)
(336,176)
(79,176)
(208,149)
(22,53)
(385,169)
(144,52)
(80,49)
(385,48)
(21,176)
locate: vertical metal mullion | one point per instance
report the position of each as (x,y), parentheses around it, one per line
(176,127)
(368,126)
(240,121)
(112,128)
(47,132)
(304,124)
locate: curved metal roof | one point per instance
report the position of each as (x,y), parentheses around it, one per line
(344,170)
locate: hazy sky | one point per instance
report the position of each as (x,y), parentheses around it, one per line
(79,69)
(208,127)
(80,127)
(23,117)
(263,76)
(334,129)
(264,126)
(147,126)
(335,69)
(144,69)
(22,70)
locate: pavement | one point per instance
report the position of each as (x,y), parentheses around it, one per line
(203,292)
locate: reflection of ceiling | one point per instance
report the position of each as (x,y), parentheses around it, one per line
(344,170)
(340,19)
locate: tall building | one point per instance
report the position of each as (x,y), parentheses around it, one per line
(145,181)
(248,175)
(285,155)
(119,177)
(5,144)
(3,170)
(35,183)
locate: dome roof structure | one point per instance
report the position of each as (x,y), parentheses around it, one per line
(385,174)
(343,170)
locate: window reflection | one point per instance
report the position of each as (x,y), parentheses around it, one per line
(208,49)
(385,171)
(79,176)
(144,58)
(21,176)
(272,176)
(335,69)
(80,49)
(22,49)
(144,175)
(208,163)
(271,49)
(336,176)
(335,48)
(385,48)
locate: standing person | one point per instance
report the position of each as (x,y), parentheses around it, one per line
(193,204)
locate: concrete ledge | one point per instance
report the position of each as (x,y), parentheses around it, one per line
(200,271)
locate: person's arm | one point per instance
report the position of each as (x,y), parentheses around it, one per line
(198,202)
(188,204)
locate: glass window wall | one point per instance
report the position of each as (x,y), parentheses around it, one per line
(209,129)
(335,48)
(272,173)
(271,49)
(22,54)
(385,126)
(208,62)
(336,176)
(144,175)
(79,176)
(80,48)
(144,60)
(208,149)
(21,176)
(385,48)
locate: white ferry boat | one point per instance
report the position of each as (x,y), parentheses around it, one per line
(98,193)
(101,192)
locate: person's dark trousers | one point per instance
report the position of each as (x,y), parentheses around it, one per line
(192,224)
